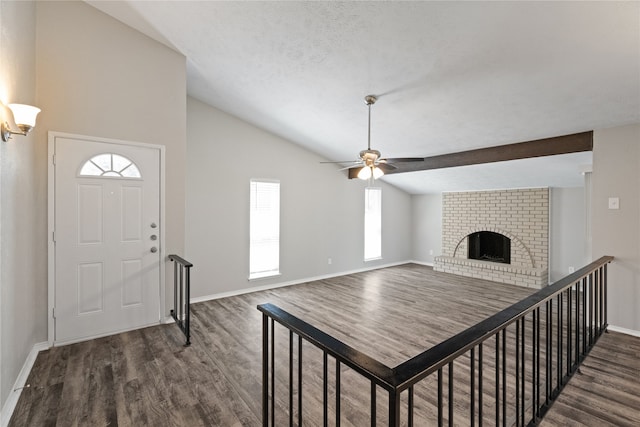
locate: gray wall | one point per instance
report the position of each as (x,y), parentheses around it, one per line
(321,210)
(90,75)
(426,227)
(23,260)
(616,173)
(568,244)
(567,222)
(98,77)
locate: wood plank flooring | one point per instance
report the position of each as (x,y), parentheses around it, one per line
(147,377)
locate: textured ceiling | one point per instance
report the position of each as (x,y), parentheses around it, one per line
(450,76)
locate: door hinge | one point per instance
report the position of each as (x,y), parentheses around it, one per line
(53,236)
(53,312)
(53,159)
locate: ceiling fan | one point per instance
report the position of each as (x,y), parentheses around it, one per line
(370,164)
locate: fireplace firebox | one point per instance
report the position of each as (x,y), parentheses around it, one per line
(489,246)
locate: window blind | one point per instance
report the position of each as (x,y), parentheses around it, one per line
(372,223)
(264,229)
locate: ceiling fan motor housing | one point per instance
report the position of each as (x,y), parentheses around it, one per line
(369,157)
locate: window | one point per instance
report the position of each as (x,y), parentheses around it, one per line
(264,229)
(372,223)
(110,165)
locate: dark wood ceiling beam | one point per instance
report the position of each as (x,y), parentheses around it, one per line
(566,144)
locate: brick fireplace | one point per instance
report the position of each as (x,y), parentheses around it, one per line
(519,216)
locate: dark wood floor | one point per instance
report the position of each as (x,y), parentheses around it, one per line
(147,377)
(606,392)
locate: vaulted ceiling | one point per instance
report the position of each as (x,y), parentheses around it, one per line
(450,76)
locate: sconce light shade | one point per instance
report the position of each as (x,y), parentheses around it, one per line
(24,115)
(25,118)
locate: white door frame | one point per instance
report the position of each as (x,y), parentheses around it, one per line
(51,222)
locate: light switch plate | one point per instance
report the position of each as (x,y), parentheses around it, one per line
(614,203)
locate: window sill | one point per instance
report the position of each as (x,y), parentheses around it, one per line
(259,276)
(373,259)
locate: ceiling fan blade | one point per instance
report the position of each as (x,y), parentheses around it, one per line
(402,159)
(350,167)
(345,161)
(386,167)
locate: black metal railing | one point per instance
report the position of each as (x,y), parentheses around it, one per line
(181,311)
(506,370)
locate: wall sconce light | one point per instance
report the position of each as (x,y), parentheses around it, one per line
(25,118)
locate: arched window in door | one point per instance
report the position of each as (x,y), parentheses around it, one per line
(110,165)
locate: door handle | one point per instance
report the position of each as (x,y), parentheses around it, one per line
(154,250)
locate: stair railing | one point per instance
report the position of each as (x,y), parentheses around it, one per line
(181,311)
(527,352)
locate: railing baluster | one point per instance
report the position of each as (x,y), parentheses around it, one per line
(299,381)
(591,309)
(472,390)
(374,414)
(175,291)
(596,303)
(325,390)
(504,377)
(440,419)
(290,377)
(576,359)
(584,315)
(181,291)
(549,351)
(410,407)
(517,323)
(497,379)
(559,341)
(273,374)
(524,359)
(265,370)
(450,394)
(601,299)
(480,391)
(337,393)
(534,365)
(604,290)
(569,330)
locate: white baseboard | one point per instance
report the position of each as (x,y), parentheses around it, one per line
(291,283)
(12,399)
(613,328)
(428,264)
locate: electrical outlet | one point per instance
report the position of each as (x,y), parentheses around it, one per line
(571,270)
(329,261)
(431,252)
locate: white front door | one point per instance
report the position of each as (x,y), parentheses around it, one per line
(106,237)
